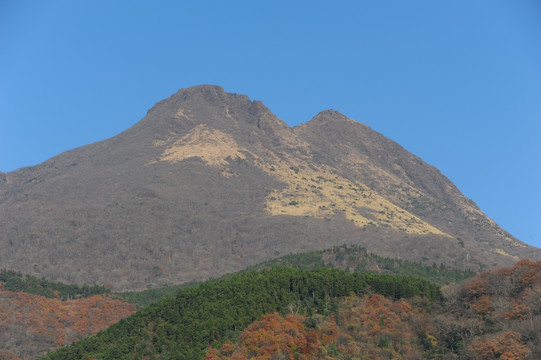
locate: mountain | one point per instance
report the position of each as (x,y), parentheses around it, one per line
(210,182)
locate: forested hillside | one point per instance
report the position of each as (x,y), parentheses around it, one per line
(496,315)
(365,327)
(331,314)
(15,281)
(350,258)
(144,298)
(31,325)
(218,310)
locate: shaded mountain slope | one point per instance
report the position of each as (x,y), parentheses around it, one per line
(211,182)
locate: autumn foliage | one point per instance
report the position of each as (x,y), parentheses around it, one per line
(372,327)
(31,325)
(495,315)
(275,336)
(376,327)
(505,346)
(283,313)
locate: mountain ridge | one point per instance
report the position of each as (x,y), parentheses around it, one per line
(210,182)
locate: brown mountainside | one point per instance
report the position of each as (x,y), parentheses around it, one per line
(210,182)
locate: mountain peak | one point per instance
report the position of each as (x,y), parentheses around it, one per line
(212,106)
(334,126)
(212,93)
(204,88)
(331,120)
(200,96)
(330,113)
(208,111)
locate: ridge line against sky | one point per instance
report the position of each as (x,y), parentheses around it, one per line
(456,83)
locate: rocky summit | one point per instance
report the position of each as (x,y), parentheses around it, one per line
(210,182)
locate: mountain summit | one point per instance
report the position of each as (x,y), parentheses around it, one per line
(210,182)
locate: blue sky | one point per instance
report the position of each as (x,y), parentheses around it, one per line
(457,83)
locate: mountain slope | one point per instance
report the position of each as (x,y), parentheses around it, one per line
(210,182)
(404,179)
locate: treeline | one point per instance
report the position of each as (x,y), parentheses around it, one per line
(217,310)
(356,258)
(144,298)
(15,281)
(350,258)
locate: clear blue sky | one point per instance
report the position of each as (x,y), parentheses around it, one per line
(457,83)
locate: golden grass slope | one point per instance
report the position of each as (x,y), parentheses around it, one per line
(322,194)
(210,145)
(310,191)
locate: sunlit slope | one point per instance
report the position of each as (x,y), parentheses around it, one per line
(311,190)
